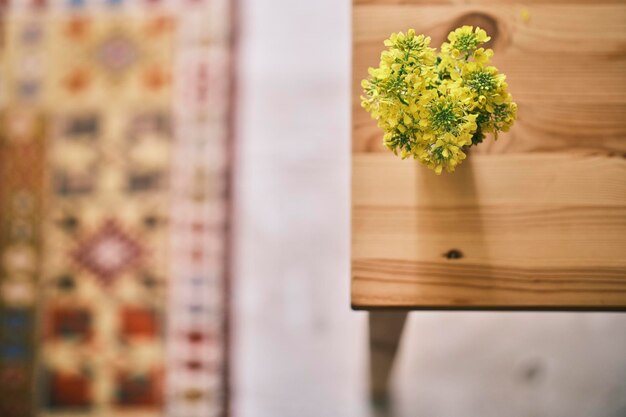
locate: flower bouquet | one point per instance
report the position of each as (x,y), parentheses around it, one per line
(435,106)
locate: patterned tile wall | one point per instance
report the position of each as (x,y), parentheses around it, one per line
(114,161)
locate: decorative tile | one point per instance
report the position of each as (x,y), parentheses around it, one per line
(108,252)
(138,389)
(116,53)
(75,324)
(69,391)
(109,164)
(81,126)
(117,120)
(21,183)
(14,377)
(139,323)
(19,258)
(16,292)
(197,386)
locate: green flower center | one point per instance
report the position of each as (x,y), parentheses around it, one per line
(466,42)
(481,82)
(444,117)
(501,112)
(410,44)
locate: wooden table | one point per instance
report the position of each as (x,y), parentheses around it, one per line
(535,221)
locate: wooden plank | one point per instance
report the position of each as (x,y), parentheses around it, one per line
(413,285)
(535,220)
(520,5)
(565,68)
(531,232)
(536,179)
(582,128)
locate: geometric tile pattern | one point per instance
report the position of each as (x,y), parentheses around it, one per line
(22,150)
(107,228)
(108,252)
(22,153)
(197,335)
(21,179)
(128,260)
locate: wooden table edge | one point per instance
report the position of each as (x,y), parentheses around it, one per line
(520,308)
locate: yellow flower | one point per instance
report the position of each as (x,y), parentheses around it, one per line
(466,39)
(434,106)
(483,56)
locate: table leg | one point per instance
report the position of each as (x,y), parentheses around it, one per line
(385,331)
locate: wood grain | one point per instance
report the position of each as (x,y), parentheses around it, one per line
(530,229)
(536,220)
(566,69)
(519,4)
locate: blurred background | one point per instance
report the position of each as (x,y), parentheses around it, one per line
(175,217)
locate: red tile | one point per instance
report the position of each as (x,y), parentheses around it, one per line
(139,322)
(69,390)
